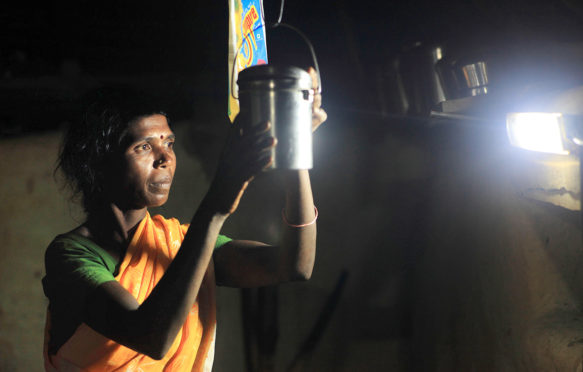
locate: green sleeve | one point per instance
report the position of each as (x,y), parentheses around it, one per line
(222,240)
(77,264)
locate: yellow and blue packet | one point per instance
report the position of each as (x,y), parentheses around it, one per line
(247,44)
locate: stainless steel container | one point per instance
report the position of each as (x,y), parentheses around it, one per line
(466,77)
(284,97)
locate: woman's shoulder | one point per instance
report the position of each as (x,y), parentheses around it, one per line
(76,244)
(71,256)
(72,239)
(81,230)
(79,236)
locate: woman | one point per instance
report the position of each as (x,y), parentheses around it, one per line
(129,291)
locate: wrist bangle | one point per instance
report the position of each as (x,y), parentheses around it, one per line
(302,225)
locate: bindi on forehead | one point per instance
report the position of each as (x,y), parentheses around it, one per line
(161,136)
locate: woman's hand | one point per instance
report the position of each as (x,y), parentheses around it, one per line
(247,152)
(318,114)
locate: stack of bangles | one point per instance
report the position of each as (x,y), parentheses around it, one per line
(302,225)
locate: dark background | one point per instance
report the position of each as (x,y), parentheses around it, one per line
(52,52)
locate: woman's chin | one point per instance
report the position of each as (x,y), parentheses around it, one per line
(157,200)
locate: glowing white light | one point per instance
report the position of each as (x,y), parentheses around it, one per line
(438,53)
(537,131)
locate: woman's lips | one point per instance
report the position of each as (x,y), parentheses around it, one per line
(162,184)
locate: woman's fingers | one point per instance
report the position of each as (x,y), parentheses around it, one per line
(314,76)
(318,117)
(255,138)
(318,114)
(245,129)
(265,143)
(262,163)
(250,150)
(317,102)
(260,155)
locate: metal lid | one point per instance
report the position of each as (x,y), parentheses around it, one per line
(267,74)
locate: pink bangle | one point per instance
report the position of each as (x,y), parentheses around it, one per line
(302,225)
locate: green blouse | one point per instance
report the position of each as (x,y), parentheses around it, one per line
(75,266)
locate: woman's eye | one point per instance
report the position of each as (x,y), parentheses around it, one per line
(143,147)
(171,144)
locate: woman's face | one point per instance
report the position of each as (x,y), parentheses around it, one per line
(148,163)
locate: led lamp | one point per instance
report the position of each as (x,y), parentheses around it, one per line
(537,131)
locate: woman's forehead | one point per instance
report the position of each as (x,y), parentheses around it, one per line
(149,126)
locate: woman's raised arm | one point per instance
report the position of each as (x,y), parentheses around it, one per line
(150,328)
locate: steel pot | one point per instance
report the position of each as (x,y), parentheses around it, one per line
(282,95)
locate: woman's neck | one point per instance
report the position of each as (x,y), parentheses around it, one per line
(112,225)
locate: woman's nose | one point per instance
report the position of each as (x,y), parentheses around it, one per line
(162,160)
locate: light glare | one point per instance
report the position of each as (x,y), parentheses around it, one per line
(536,131)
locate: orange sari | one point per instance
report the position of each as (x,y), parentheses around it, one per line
(154,245)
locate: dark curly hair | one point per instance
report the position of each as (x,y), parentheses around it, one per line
(93,141)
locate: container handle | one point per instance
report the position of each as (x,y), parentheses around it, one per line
(272,26)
